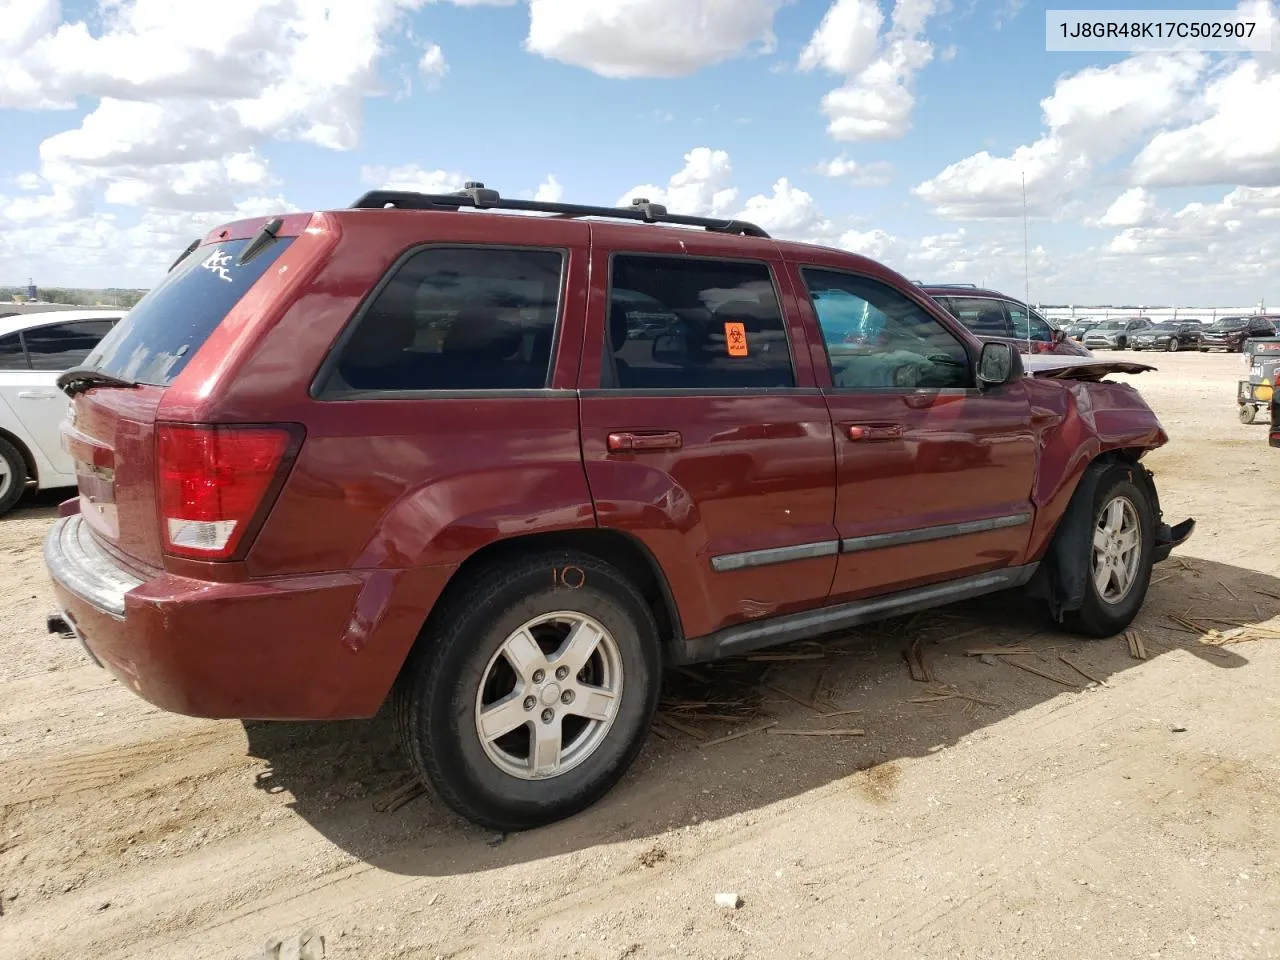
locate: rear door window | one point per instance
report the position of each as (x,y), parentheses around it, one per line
(61,346)
(986,318)
(683,323)
(456,318)
(159,336)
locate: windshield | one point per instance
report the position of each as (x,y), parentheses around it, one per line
(159,336)
(1230,323)
(1165,327)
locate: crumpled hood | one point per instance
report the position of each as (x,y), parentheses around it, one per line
(1060,367)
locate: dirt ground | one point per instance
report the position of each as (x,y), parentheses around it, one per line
(1134,818)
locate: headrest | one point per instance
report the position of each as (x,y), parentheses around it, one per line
(478,332)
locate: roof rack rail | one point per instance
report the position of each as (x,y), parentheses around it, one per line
(969,286)
(474,194)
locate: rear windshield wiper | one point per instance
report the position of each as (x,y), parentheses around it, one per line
(80,379)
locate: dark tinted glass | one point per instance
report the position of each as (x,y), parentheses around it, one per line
(160,335)
(457,318)
(986,318)
(877,338)
(11,356)
(677,323)
(61,346)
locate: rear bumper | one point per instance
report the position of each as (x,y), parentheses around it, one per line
(326,646)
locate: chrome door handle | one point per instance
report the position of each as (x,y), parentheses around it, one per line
(871,432)
(37,395)
(633,442)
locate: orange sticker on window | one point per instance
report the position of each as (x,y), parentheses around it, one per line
(735,338)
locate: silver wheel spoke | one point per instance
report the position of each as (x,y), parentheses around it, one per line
(1128,540)
(1102,576)
(567,720)
(594,703)
(524,654)
(503,717)
(1115,515)
(545,755)
(1101,539)
(578,647)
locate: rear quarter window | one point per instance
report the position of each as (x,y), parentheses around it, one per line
(159,336)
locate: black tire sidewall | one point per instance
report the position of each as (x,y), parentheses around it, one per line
(18,474)
(1098,614)
(454,758)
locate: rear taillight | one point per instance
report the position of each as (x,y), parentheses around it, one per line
(214,482)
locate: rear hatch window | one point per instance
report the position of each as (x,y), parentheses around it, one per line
(159,336)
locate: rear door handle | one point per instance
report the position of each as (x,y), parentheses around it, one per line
(37,395)
(872,432)
(629,442)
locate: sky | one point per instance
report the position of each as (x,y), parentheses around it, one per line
(899,130)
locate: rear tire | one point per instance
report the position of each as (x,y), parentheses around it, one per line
(495,712)
(13,476)
(1119,559)
(1248,413)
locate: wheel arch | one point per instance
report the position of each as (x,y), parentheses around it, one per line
(33,471)
(621,550)
(1059,579)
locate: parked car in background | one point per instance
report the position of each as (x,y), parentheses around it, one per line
(1230,333)
(1076,329)
(1115,334)
(34,349)
(994,316)
(1170,335)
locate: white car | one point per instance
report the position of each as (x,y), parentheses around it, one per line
(34,349)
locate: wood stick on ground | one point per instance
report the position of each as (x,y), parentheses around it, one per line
(739,734)
(820,733)
(784,657)
(397,798)
(999,651)
(1080,670)
(917,665)
(1040,673)
(797,698)
(1231,593)
(686,729)
(816,695)
(1265,593)
(658,732)
(1141,647)
(842,713)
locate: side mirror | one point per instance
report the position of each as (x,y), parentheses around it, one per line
(997,365)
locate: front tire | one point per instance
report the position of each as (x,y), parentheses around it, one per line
(1174,345)
(1248,413)
(13,476)
(531,692)
(1119,559)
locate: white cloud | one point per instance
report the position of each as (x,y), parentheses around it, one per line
(847,39)
(701,188)
(1091,116)
(412,177)
(874,174)
(1135,207)
(549,191)
(432,66)
(877,98)
(648,38)
(1237,143)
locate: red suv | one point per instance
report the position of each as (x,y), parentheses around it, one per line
(506,468)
